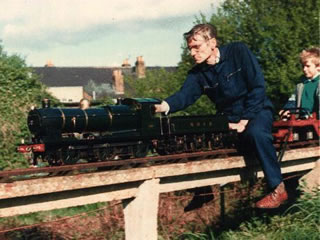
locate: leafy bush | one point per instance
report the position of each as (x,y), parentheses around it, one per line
(19,90)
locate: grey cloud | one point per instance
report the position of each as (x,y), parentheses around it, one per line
(54,38)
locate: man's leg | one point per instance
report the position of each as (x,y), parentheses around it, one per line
(258,136)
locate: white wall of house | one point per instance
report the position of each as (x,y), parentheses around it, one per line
(67,94)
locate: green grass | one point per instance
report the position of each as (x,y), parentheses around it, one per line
(300,222)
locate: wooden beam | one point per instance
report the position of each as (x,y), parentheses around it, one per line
(90,180)
(135,187)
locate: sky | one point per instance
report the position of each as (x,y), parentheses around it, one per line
(98,32)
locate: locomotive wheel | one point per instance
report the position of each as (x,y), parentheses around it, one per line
(181,145)
(69,157)
(107,154)
(198,143)
(162,151)
(165,150)
(140,150)
(52,159)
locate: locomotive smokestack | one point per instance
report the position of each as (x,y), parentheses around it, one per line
(119,101)
(46,103)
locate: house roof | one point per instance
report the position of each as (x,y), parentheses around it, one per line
(80,76)
(73,76)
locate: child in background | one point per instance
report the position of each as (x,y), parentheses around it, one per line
(307,92)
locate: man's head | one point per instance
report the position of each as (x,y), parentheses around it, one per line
(202,42)
(310,60)
(206,30)
(84,103)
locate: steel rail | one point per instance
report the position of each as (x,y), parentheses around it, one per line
(34,172)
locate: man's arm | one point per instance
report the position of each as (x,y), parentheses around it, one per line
(187,95)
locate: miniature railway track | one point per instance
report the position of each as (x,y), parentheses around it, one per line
(37,172)
(116,164)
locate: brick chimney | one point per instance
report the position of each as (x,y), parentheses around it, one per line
(118,84)
(140,67)
(126,63)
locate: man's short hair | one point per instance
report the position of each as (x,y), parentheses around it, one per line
(312,53)
(206,30)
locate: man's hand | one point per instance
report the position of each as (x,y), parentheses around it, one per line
(158,108)
(163,107)
(240,126)
(284,114)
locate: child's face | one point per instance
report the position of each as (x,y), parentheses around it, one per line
(310,69)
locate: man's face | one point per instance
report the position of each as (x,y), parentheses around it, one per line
(200,48)
(310,69)
(84,104)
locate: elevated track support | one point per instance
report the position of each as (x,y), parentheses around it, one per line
(137,188)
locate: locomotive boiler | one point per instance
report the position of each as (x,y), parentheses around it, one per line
(130,128)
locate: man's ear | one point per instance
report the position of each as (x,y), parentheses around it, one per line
(213,43)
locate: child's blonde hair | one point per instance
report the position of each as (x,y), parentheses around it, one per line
(312,53)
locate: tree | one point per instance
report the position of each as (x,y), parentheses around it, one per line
(156,84)
(19,90)
(276,31)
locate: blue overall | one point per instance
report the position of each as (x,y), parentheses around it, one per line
(236,85)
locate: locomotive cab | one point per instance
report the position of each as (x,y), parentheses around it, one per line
(148,123)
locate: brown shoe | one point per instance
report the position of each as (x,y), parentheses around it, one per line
(274,199)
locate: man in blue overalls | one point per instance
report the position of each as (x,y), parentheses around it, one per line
(232,79)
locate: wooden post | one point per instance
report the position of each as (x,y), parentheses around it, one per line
(141,212)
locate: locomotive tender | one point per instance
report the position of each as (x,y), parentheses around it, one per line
(298,127)
(128,129)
